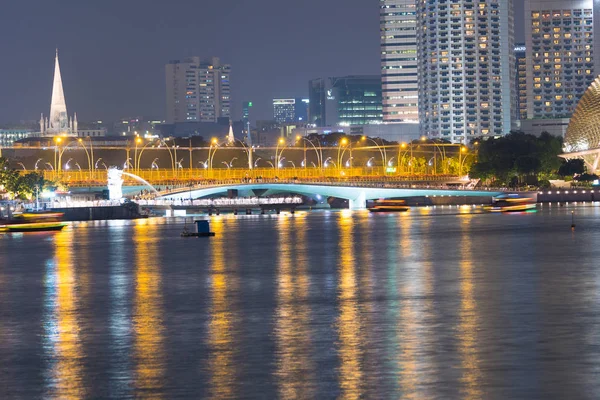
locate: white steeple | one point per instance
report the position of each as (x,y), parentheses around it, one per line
(230,137)
(59,122)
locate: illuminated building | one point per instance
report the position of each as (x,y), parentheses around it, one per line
(521,81)
(582,139)
(290,110)
(9,136)
(198,90)
(560,64)
(346,101)
(399,69)
(466,68)
(59,122)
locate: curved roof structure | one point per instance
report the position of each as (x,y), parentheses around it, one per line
(583,132)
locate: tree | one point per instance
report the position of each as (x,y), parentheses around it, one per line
(571,167)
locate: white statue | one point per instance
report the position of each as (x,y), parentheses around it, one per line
(115,183)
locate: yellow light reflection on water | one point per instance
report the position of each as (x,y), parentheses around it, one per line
(469,319)
(293,337)
(147,313)
(220,363)
(67,373)
(349,324)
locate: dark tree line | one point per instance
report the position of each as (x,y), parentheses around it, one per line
(520,158)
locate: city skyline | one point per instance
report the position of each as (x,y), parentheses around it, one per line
(113,55)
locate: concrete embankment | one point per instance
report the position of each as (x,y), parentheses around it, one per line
(569,195)
(100,213)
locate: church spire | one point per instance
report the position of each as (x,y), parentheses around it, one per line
(230,137)
(58,107)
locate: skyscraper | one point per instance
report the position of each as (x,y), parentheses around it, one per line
(198,90)
(59,122)
(560,62)
(399,76)
(283,110)
(466,65)
(521,81)
(348,100)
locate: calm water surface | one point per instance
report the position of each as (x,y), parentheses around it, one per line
(430,304)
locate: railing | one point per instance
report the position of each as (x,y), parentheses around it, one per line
(85,178)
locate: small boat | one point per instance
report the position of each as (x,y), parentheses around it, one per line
(202,228)
(42,221)
(511,203)
(388,205)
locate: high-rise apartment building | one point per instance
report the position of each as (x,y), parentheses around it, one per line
(198,90)
(560,62)
(399,73)
(521,81)
(466,68)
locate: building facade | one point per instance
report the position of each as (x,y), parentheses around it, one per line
(521,81)
(290,110)
(466,68)
(399,68)
(560,63)
(284,110)
(198,90)
(348,100)
(9,136)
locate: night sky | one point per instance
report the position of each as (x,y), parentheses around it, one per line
(113,52)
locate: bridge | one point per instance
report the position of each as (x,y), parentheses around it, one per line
(356,194)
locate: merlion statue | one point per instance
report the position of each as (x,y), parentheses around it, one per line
(115,184)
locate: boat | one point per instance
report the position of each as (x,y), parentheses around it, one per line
(511,203)
(388,205)
(36,221)
(202,230)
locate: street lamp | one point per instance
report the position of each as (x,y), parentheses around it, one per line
(256,162)
(381,149)
(461,159)
(231,162)
(343,142)
(35,167)
(214,143)
(67,163)
(281,141)
(22,165)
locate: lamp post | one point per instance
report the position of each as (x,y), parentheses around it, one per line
(214,143)
(319,156)
(343,142)
(281,141)
(35,167)
(381,149)
(136,165)
(461,159)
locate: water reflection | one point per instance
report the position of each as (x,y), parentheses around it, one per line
(220,342)
(293,336)
(469,318)
(414,365)
(349,323)
(62,322)
(148,327)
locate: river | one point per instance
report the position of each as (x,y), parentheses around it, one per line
(435,303)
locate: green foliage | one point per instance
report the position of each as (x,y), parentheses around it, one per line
(586,177)
(571,167)
(512,158)
(17,185)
